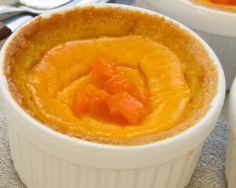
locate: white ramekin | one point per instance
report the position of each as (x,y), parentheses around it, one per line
(216,27)
(231,148)
(48,159)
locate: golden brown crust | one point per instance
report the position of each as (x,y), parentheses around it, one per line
(34,40)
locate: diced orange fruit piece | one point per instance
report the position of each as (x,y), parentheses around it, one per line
(110,94)
(106,75)
(125,106)
(90,100)
(102,69)
(118,83)
(80,102)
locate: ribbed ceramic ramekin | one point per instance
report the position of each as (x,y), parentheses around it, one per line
(45,158)
(218,28)
(231,149)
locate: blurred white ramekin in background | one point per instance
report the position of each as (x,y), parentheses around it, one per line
(217,27)
(231,148)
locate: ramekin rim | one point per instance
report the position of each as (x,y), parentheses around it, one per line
(216,101)
(232,105)
(201,18)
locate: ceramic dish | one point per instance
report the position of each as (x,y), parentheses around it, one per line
(215,26)
(46,158)
(231,150)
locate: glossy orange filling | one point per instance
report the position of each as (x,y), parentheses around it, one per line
(143,88)
(110,95)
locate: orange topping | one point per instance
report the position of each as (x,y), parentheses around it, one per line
(226,2)
(123,105)
(110,94)
(90,100)
(102,70)
(106,75)
(120,83)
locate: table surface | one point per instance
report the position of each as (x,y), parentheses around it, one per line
(209,172)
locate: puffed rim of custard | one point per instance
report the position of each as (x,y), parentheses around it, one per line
(25,31)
